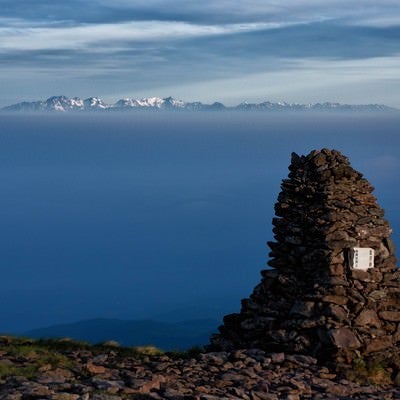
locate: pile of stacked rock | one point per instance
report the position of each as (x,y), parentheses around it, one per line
(322,297)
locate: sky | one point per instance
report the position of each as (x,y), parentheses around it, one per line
(213,50)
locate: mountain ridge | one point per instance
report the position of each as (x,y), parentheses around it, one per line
(76,104)
(166,335)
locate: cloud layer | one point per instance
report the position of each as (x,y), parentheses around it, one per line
(148,47)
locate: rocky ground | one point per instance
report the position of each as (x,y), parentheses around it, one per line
(65,370)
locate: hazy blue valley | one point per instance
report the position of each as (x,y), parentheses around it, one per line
(157,216)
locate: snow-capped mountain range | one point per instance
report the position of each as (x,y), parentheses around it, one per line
(66,104)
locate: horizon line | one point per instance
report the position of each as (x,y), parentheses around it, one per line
(92,103)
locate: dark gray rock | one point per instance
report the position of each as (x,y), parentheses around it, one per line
(344,338)
(312,301)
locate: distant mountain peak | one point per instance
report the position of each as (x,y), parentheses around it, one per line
(92,103)
(66,104)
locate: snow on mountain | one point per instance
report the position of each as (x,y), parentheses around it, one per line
(94,103)
(170,102)
(154,102)
(124,103)
(65,104)
(150,102)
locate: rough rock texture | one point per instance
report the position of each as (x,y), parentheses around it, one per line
(112,374)
(312,302)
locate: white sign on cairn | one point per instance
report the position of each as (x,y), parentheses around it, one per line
(362,258)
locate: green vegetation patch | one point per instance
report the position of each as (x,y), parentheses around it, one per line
(374,372)
(6,370)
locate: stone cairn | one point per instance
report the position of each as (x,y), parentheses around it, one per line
(313,301)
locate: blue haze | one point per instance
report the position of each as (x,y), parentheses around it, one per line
(157,215)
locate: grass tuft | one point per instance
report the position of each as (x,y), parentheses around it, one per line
(374,372)
(6,370)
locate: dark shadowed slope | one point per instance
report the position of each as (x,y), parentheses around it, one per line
(167,336)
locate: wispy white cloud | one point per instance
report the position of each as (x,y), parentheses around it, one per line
(23,37)
(373,80)
(383,21)
(293,50)
(204,12)
(368,12)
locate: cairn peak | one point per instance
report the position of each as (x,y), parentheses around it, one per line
(333,291)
